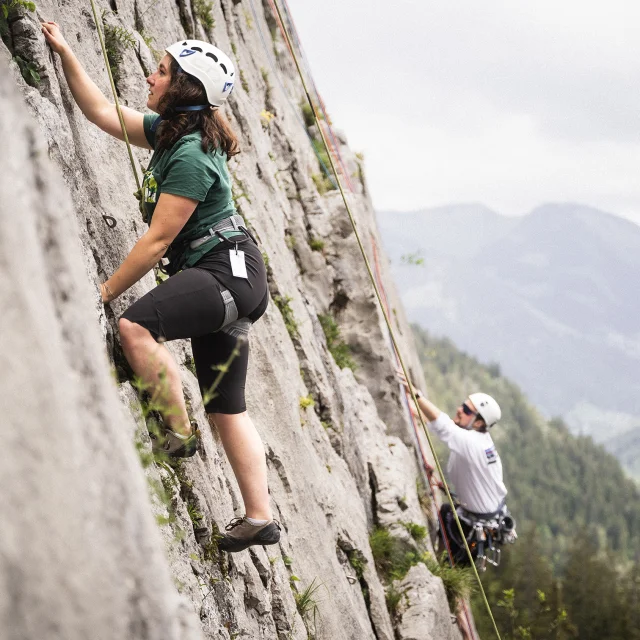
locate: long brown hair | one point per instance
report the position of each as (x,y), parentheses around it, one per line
(185,90)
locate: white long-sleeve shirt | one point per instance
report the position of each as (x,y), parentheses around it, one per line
(474,468)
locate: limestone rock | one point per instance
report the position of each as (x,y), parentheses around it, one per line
(423,609)
(81,555)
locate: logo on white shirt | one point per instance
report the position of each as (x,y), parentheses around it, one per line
(492,455)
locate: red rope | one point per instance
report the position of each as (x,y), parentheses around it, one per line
(429,470)
(333,143)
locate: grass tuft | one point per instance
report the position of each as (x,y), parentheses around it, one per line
(393,556)
(338,348)
(306,401)
(316,244)
(307,604)
(459,582)
(284,306)
(202,9)
(416,531)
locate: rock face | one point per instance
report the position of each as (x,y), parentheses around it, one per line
(423,613)
(81,555)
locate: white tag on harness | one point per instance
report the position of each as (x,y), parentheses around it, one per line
(238,266)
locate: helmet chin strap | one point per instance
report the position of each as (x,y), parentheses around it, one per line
(194,107)
(469,427)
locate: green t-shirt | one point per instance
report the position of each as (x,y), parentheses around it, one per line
(186,170)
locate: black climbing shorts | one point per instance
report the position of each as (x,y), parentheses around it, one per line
(189,305)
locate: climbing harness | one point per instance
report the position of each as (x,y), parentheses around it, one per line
(233,231)
(387,320)
(487,533)
(224,230)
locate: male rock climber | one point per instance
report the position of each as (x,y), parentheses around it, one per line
(474,467)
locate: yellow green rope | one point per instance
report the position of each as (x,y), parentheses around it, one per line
(384,313)
(115,94)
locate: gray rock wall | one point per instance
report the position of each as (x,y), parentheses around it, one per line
(81,556)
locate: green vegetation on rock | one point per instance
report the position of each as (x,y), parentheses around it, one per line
(202,9)
(284,305)
(338,348)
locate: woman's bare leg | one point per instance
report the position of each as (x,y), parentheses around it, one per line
(245,452)
(157,369)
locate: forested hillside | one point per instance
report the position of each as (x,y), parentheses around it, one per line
(549,292)
(578,514)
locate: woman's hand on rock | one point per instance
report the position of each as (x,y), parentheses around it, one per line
(105,293)
(54,37)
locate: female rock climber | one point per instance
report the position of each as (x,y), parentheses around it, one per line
(217,286)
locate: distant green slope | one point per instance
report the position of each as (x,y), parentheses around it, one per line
(557,481)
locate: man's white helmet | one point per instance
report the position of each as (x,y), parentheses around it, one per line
(488,409)
(207,63)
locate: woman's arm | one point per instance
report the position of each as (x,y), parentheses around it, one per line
(89,98)
(170,215)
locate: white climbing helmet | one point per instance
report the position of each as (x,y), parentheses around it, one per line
(207,63)
(488,409)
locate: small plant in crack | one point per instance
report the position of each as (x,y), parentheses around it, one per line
(284,306)
(243,81)
(28,70)
(416,531)
(338,348)
(316,244)
(393,597)
(323,183)
(203,9)
(307,603)
(116,40)
(393,556)
(459,582)
(306,401)
(195,515)
(357,561)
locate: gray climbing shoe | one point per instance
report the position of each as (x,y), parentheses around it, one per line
(243,534)
(167,442)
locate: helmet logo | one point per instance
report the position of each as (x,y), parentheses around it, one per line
(227,85)
(187,52)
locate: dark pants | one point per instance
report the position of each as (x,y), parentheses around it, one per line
(189,305)
(459,555)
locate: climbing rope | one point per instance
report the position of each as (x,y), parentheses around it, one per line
(428,469)
(115,94)
(387,320)
(334,148)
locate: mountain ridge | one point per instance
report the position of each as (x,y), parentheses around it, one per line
(546,295)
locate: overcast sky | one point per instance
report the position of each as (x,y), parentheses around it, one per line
(504,102)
